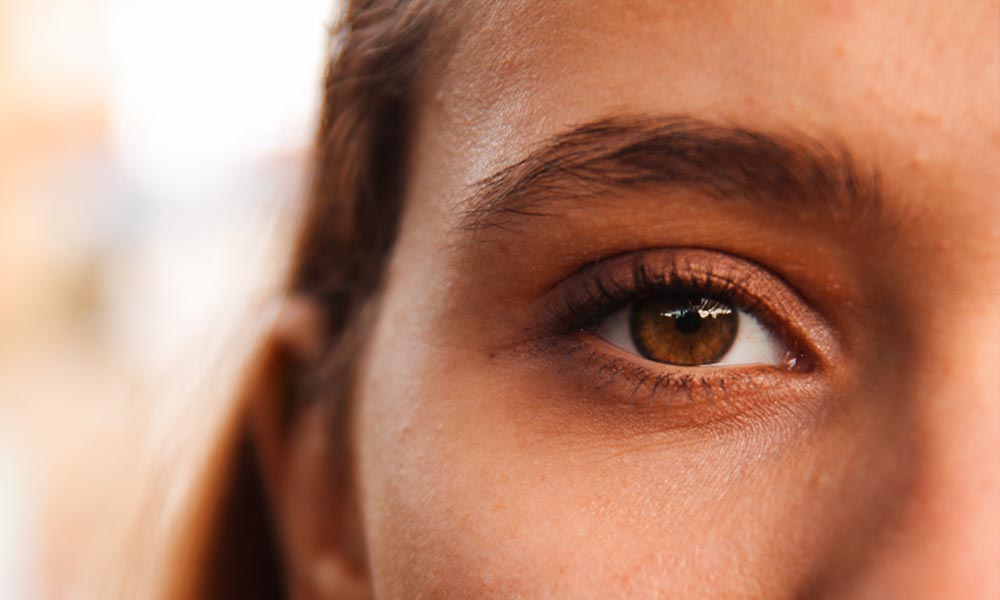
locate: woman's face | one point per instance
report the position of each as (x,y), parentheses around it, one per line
(694,299)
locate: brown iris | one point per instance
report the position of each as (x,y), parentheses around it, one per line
(683,330)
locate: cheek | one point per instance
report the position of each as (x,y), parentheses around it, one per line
(471,488)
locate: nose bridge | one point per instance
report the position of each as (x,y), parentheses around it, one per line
(955,508)
(947,543)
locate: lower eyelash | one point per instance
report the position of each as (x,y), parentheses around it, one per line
(673,386)
(678,399)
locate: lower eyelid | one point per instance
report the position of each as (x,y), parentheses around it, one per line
(679,397)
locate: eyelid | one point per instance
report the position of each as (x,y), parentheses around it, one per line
(624,392)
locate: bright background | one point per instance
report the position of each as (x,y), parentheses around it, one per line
(151,161)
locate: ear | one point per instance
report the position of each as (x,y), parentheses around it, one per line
(302,451)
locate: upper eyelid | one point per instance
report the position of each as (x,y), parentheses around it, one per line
(644,279)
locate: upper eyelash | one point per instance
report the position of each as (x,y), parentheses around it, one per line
(604,294)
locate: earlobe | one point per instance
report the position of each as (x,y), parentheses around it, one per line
(304,463)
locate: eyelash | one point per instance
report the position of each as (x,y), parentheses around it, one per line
(605,294)
(587,298)
(608,294)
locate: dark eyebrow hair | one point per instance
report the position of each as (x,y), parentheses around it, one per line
(789,171)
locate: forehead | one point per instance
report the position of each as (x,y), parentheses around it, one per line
(911,85)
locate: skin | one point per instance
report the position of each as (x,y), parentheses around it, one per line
(492,462)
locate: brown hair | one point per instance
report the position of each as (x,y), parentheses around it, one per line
(379,49)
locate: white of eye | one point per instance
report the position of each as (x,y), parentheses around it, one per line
(754,344)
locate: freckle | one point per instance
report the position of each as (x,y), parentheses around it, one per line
(840,51)
(926,117)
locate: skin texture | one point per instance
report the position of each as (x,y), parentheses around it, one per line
(496,459)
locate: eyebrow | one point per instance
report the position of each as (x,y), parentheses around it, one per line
(787,171)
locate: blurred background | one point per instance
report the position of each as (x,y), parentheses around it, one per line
(151,163)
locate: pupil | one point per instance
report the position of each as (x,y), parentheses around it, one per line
(687,321)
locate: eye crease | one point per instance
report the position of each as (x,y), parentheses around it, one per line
(692,330)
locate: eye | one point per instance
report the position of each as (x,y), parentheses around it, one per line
(736,336)
(692,330)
